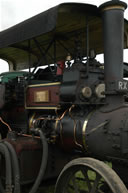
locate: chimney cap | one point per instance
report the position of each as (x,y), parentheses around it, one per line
(113,3)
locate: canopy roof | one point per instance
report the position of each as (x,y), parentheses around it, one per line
(53,33)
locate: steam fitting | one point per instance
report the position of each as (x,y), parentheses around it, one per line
(86,92)
(35,131)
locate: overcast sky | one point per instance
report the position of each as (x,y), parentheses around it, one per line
(15,11)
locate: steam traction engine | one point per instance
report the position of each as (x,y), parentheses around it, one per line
(68,119)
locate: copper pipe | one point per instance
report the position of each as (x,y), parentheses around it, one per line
(26,135)
(9,128)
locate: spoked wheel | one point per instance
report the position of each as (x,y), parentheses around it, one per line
(88,175)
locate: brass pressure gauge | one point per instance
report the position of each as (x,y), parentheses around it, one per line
(87,92)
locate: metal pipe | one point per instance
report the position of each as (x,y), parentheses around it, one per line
(43,162)
(5,152)
(15,167)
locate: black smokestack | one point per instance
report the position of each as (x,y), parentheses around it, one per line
(113,32)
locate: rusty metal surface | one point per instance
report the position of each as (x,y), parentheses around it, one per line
(29,155)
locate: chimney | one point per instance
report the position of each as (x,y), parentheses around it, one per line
(113,35)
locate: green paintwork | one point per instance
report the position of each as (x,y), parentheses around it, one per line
(6,76)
